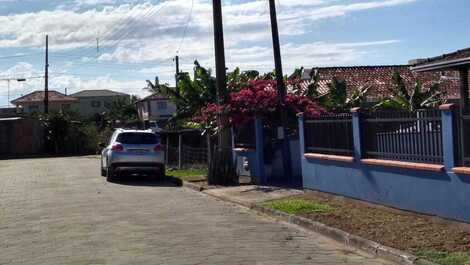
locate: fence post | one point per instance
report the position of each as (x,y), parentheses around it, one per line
(448,135)
(167,149)
(209,149)
(300,117)
(260,150)
(180,150)
(356,126)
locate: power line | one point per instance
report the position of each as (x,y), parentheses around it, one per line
(186,26)
(150,13)
(18,56)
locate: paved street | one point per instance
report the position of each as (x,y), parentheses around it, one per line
(60,211)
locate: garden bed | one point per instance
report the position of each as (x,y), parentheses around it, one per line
(442,241)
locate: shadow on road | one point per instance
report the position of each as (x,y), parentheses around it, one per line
(145,181)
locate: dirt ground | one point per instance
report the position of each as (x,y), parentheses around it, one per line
(391,227)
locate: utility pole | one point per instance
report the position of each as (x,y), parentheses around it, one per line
(281,92)
(46,78)
(177,75)
(177,62)
(222,170)
(8,98)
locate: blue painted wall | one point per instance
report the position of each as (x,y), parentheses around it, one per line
(444,194)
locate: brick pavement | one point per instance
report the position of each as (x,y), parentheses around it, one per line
(60,211)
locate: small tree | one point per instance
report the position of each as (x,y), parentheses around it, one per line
(258,99)
(412,99)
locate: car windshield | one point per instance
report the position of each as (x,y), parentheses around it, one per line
(137,138)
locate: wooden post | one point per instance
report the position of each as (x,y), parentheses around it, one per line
(46,78)
(180,150)
(209,150)
(167,148)
(281,91)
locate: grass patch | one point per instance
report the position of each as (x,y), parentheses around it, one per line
(187,174)
(295,206)
(444,258)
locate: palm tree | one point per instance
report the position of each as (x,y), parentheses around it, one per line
(418,98)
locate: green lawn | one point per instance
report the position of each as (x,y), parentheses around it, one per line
(445,258)
(187,174)
(295,206)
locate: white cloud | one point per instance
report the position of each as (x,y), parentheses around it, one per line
(132,31)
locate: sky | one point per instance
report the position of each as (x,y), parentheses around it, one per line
(119,44)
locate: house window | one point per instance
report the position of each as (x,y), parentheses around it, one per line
(96,104)
(161,105)
(33,108)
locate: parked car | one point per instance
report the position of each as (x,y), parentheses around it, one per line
(138,151)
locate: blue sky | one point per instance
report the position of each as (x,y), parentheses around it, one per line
(139,38)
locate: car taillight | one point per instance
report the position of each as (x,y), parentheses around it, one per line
(157,148)
(117,147)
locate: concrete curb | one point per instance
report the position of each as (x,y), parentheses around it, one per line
(182,183)
(350,240)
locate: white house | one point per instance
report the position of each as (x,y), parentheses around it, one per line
(155,109)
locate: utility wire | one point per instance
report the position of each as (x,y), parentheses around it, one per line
(186,26)
(150,13)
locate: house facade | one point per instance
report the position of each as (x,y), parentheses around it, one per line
(155,109)
(92,102)
(34,102)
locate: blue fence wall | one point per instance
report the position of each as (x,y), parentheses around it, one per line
(437,193)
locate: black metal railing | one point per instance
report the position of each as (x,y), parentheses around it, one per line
(329,134)
(462,138)
(403,136)
(245,135)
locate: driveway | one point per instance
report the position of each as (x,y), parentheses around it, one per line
(60,211)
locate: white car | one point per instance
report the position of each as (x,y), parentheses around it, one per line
(133,150)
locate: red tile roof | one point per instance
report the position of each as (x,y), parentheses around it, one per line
(38,96)
(380,78)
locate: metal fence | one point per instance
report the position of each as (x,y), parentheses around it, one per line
(245,135)
(186,157)
(404,136)
(329,134)
(462,138)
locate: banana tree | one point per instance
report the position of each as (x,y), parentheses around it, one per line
(413,99)
(337,98)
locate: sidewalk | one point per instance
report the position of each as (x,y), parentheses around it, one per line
(252,194)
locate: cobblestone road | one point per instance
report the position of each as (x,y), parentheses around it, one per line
(60,211)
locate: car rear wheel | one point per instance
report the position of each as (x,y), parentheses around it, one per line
(159,173)
(110,174)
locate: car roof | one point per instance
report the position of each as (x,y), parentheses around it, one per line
(133,131)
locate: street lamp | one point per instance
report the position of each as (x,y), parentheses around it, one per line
(8,81)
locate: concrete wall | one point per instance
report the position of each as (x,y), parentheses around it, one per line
(21,137)
(437,193)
